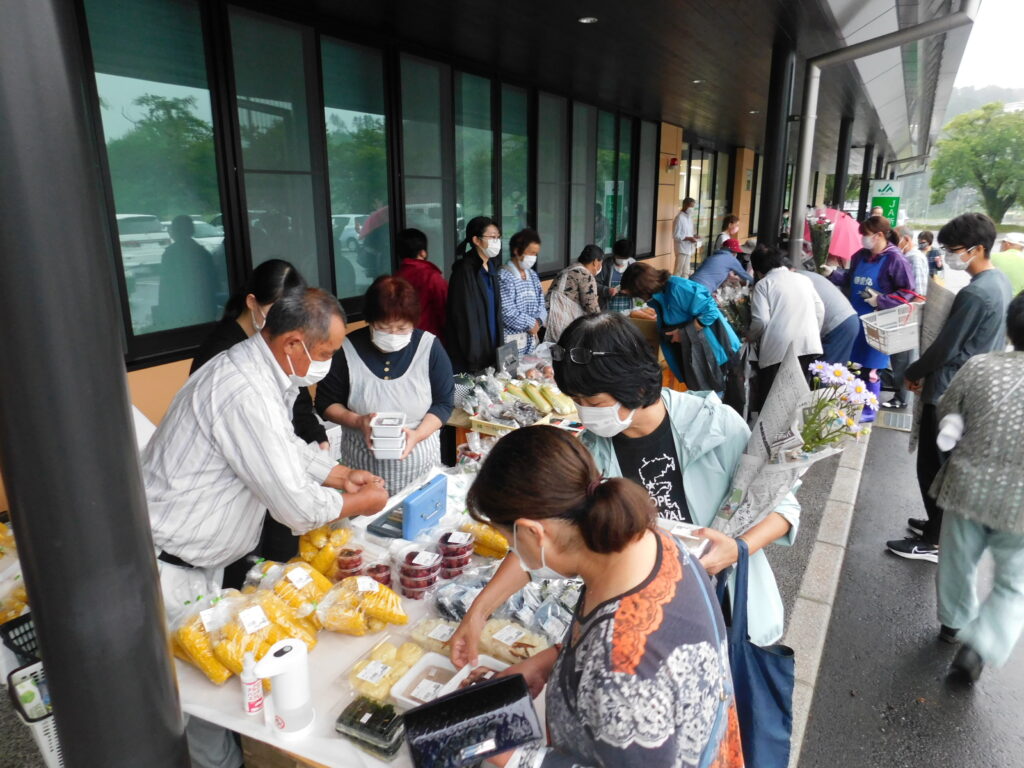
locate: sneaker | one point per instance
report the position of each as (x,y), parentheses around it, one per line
(914,549)
(916,525)
(967,664)
(948,634)
(895,403)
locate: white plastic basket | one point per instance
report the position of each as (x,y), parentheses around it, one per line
(893,330)
(44,729)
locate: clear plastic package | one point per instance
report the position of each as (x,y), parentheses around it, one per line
(373,726)
(510,641)
(434,634)
(383,666)
(358,605)
(424,681)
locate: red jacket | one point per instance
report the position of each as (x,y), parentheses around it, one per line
(432,289)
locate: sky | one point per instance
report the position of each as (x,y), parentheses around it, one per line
(995,55)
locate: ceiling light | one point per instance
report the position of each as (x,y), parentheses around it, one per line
(587,19)
(698,82)
(755,112)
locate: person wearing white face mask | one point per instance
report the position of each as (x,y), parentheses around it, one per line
(879,277)
(226,452)
(390,366)
(621,689)
(610,277)
(473,327)
(245,315)
(522,297)
(682,447)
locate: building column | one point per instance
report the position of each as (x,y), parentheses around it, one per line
(776,139)
(865,182)
(842,163)
(67,445)
(880,165)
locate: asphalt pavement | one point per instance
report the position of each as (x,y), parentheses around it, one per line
(882,697)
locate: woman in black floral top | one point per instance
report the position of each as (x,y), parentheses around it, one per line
(581,281)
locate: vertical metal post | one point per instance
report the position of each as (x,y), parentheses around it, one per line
(776,135)
(67,444)
(865,182)
(842,163)
(880,165)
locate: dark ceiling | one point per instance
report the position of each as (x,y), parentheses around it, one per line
(639,57)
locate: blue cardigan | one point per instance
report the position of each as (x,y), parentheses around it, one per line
(682,302)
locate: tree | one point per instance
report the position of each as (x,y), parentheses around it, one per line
(984,150)
(165,164)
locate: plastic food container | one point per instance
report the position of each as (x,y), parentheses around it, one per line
(419,582)
(379,571)
(457,561)
(385,443)
(455,543)
(373,726)
(427,680)
(418,561)
(388,424)
(452,573)
(416,594)
(384,454)
(434,634)
(486,669)
(379,669)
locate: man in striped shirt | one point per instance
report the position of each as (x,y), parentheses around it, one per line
(226,451)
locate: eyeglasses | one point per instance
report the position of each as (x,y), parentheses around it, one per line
(578,355)
(957,250)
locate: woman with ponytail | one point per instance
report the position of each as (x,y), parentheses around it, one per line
(473,328)
(642,677)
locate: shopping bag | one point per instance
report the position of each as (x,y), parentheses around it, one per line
(561,310)
(763,679)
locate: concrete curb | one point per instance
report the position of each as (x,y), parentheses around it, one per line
(808,626)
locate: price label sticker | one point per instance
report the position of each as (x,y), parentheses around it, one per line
(555,628)
(442,633)
(366,718)
(374,672)
(509,635)
(460,537)
(426,558)
(425,691)
(366,584)
(253,619)
(299,577)
(206,617)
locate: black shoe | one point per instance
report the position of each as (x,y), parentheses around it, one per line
(914,549)
(895,403)
(967,664)
(948,634)
(916,525)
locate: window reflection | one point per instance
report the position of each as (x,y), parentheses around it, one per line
(158,131)
(474,148)
(357,162)
(514,163)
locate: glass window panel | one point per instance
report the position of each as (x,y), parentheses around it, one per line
(758,188)
(158,130)
(721,198)
(515,156)
(270,73)
(552,192)
(647,180)
(684,172)
(271,90)
(474,146)
(422,154)
(624,186)
(584,149)
(606,193)
(357,163)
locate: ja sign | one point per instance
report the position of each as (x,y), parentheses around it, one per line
(885,194)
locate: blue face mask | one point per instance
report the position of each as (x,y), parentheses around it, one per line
(544,572)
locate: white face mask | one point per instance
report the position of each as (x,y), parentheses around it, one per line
(317,370)
(604,420)
(621,262)
(493,246)
(258,326)
(868,241)
(389,342)
(527,261)
(953,260)
(544,572)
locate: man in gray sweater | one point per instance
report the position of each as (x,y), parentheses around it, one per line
(976,325)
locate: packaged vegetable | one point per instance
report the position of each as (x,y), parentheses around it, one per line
(560,402)
(372,726)
(357,605)
(509,641)
(382,667)
(488,542)
(192,638)
(434,634)
(536,397)
(13,598)
(320,546)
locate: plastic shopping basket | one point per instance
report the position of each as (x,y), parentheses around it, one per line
(893,330)
(44,729)
(20,636)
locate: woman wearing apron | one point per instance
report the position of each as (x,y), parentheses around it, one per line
(879,277)
(389,366)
